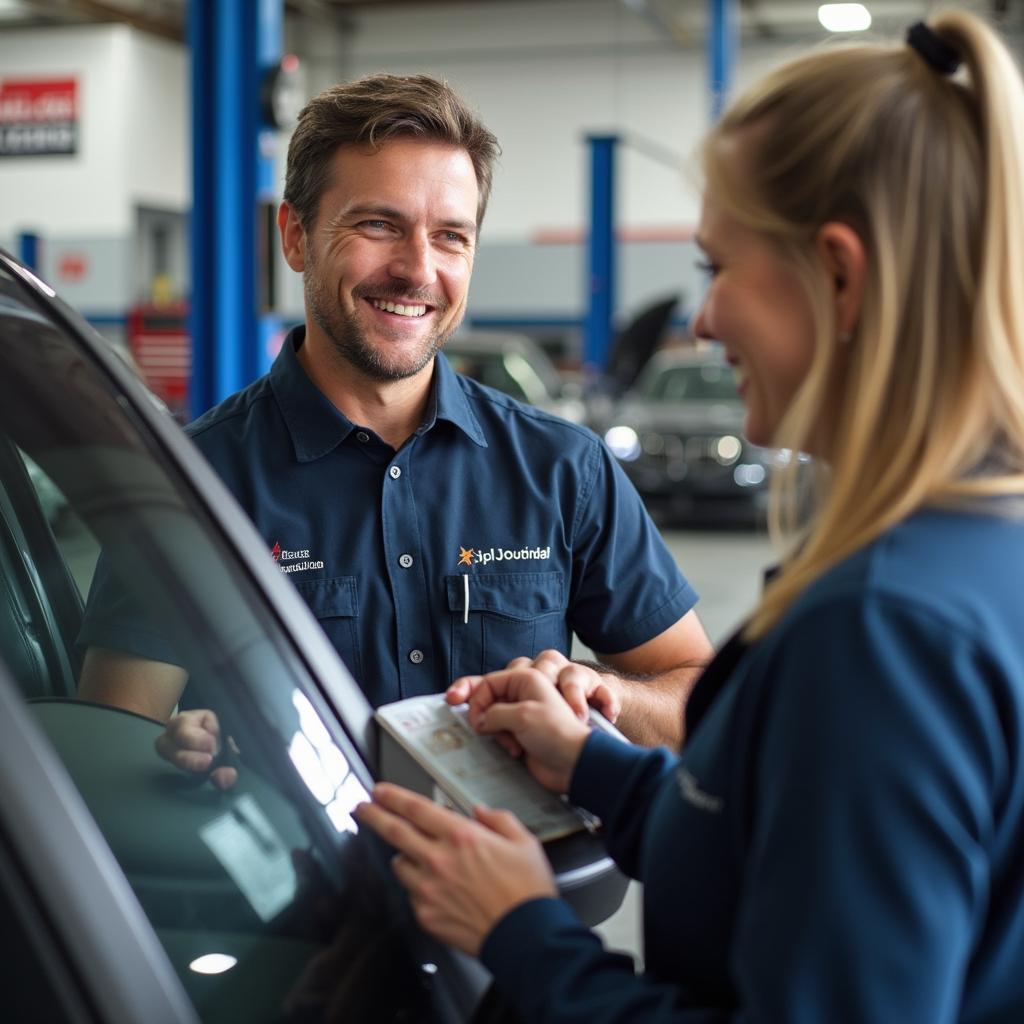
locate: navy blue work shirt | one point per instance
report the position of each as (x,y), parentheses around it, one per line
(495,531)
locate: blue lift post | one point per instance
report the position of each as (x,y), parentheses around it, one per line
(229,58)
(28,249)
(601,254)
(270,46)
(721,51)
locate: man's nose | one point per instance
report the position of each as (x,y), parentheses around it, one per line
(412,261)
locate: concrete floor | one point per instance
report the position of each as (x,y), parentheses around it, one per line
(726,570)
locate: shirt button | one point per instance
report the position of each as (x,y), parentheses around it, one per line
(405,561)
(415,656)
(363,436)
(395,472)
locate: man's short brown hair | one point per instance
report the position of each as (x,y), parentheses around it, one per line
(371,111)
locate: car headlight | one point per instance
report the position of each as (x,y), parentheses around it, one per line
(727,449)
(623,442)
(749,474)
(784,456)
(653,444)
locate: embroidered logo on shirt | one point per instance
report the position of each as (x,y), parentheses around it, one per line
(691,792)
(478,556)
(298,561)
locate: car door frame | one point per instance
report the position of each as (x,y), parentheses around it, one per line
(108,945)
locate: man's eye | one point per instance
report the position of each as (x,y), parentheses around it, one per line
(707,267)
(375,225)
(454,238)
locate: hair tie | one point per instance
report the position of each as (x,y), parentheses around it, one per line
(935,52)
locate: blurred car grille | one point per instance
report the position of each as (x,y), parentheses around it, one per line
(677,456)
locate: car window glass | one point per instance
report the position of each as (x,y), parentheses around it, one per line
(268,902)
(78,547)
(702,383)
(520,370)
(489,369)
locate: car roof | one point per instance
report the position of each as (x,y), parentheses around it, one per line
(492,341)
(668,357)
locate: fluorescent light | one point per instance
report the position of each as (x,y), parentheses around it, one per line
(844,17)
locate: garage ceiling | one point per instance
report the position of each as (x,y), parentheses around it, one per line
(682,20)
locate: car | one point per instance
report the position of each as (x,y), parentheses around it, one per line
(129,890)
(678,434)
(516,365)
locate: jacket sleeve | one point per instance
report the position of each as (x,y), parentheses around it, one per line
(871,771)
(617,781)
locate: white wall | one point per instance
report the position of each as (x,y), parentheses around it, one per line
(157,130)
(83,193)
(542,76)
(132,132)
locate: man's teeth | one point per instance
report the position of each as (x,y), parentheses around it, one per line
(392,307)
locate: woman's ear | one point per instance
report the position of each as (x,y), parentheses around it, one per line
(844,259)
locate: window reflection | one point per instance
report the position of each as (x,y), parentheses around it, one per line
(324,768)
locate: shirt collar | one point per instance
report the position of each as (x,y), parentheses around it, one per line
(448,402)
(317,427)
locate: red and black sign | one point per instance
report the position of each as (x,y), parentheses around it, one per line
(38,117)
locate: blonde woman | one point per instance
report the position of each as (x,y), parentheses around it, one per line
(843,836)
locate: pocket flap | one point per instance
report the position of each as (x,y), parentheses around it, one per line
(519,595)
(331,598)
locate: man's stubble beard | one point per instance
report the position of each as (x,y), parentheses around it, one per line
(350,342)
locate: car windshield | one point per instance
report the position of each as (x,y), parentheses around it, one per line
(512,365)
(270,904)
(704,382)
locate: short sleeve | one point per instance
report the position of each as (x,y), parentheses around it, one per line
(626,586)
(116,619)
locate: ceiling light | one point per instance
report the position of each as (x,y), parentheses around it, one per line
(844,17)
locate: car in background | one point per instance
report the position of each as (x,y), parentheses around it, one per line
(518,366)
(129,890)
(678,434)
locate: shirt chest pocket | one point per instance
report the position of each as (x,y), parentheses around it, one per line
(501,616)
(334,603)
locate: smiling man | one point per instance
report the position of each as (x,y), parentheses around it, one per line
(436,528)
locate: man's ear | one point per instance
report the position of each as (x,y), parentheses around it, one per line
(845,260)
(293,237)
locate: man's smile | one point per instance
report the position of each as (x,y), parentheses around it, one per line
(401,309)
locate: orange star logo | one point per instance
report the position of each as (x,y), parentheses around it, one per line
(465,556)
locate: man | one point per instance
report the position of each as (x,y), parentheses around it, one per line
(436,528)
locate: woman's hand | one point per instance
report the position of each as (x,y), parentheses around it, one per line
(529,716)
(463,876)
(580,685)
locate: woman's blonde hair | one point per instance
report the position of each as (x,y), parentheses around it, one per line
(925,404)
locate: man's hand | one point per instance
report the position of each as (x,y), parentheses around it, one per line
(543,723)
(580,685)
(463,876)
(642,690)
(192,742)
